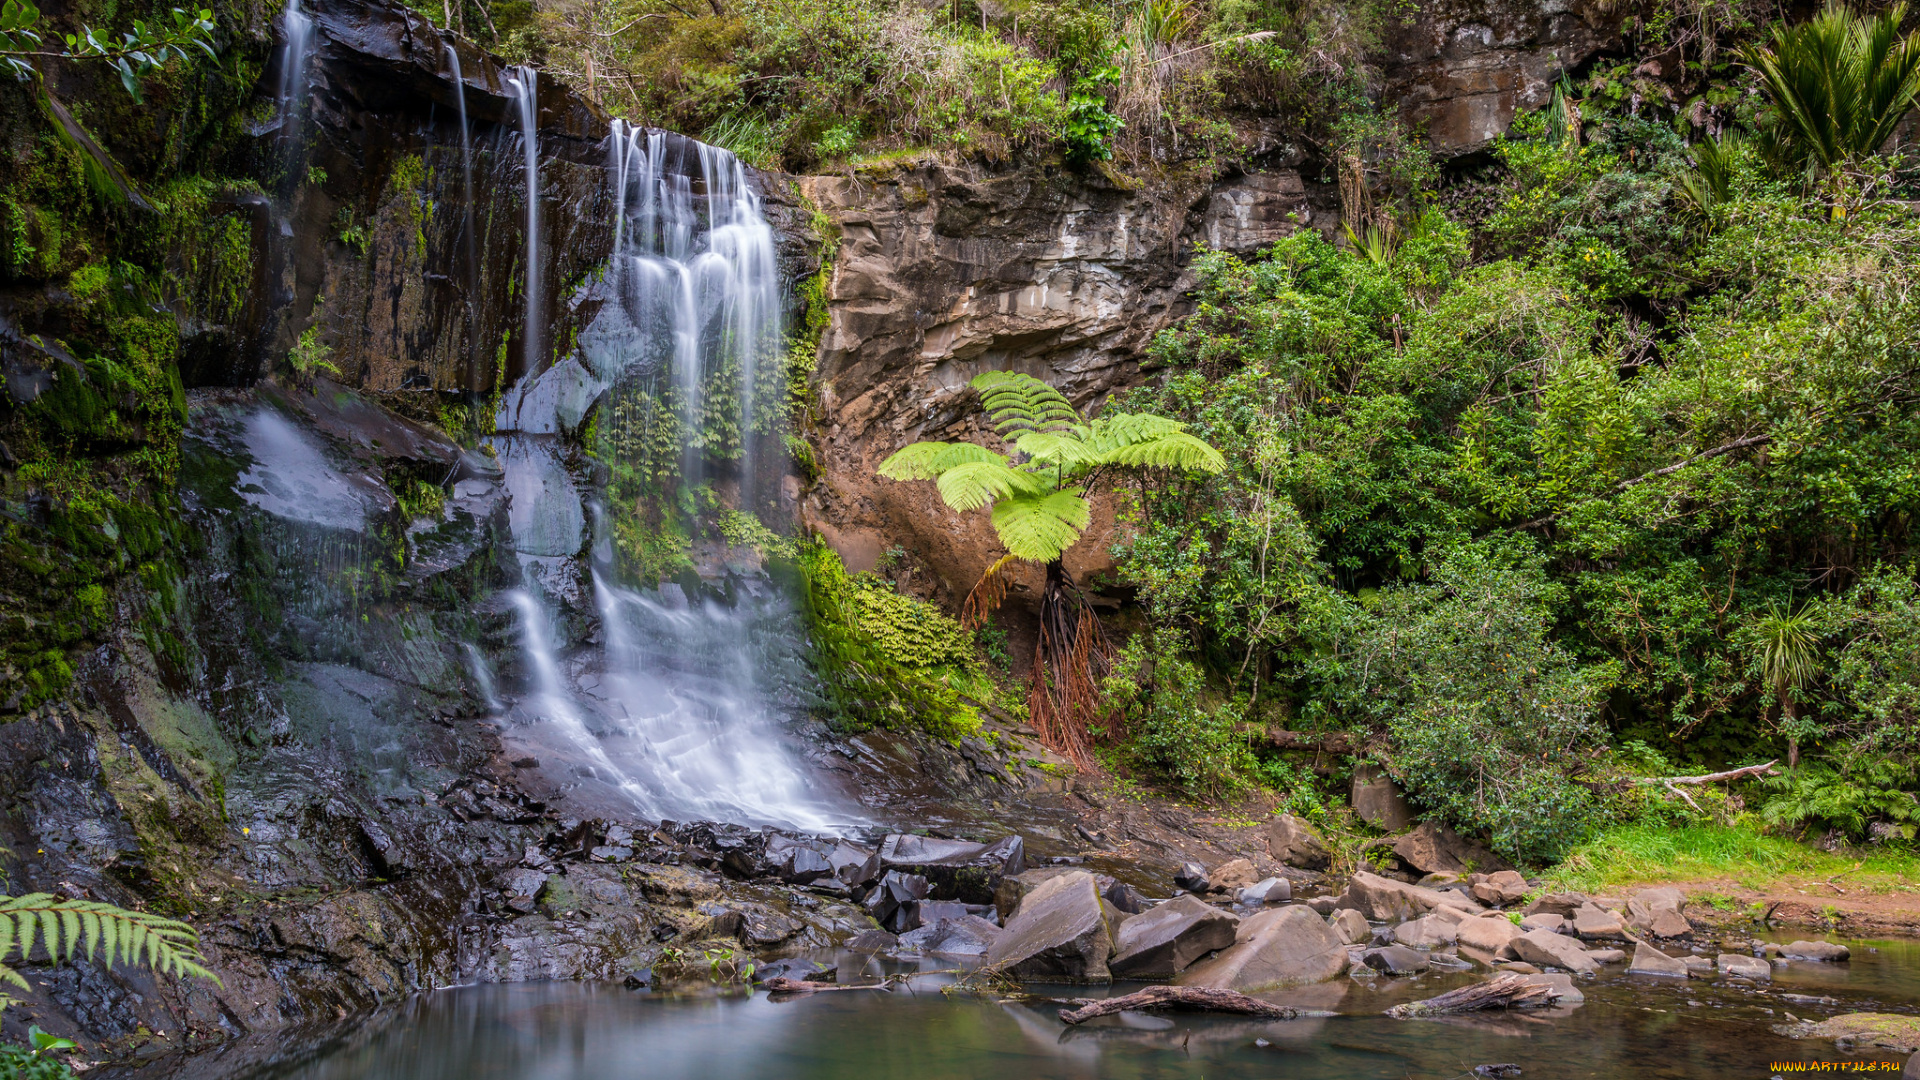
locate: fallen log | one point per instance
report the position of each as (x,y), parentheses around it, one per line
(785,985)
(1505,992)
(1669,782)
(1178,997)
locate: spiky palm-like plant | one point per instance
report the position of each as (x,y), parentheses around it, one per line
(1839,83)
(1039,509)
(1789,659)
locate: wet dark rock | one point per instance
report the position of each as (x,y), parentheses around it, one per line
(797,862)
(1501,1071)
(926,912)
(1059,934)
(1293,842)
(1193,878)
(792,968)
(963,935)
(956,869)
(639,980)
(1396,960)
(1125,897)
(854,865)
(1164,941)
(889,901)
(1279,947)
(871,941)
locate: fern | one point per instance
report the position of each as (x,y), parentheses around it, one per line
(1019,402)
(87,929)
(927,460)
(977,483)
(1040,527)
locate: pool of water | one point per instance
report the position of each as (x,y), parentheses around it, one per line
(1626,1027)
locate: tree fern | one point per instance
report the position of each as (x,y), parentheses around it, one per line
(927,460)
(1041,527)
(977,483)
(1017,402)
(87,929)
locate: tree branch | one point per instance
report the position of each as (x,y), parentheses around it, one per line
(1726,448)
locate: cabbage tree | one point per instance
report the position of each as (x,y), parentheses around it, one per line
(1037,499)
(1839,83)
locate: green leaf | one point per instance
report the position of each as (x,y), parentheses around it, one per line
(975,484)
(1052,448)
(927,460)
(1041,528)
(1176,451)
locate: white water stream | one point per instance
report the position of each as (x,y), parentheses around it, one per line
(667,711)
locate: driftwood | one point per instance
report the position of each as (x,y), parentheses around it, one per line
(1505,992)
(1671,782)
(785,985)
(1178,997)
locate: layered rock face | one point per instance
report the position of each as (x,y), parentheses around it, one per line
(945,272)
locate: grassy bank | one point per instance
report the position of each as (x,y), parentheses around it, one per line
(1644,853)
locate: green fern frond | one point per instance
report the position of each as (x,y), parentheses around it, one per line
(1178,450)
(88,929)
(1122,429)
(1052,448)
(927,460)
(977,483)
(1018,402)
(1041,527)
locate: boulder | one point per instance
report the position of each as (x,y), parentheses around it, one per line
(1548,949)
(1648,960)
(1433,848)
(1279,947)
(1163,942)
(871,941)
(1378,802)
(1561,904)
(1271,890)
(1544,921)
(928,912)
(1698,967)
(955,869)
(1606,956)
(1912,1069)
(1059,934)
(1192,877)
(892,901)
(1233,875)
(1293,842)
(1658,912)
(1123,896)
(854,865)
(962,935)
(1815,950)
(1350,926)
(1384,900)
(1592,922)
(522,882)
(1500,889)
(795,967)
(1012,890)
(1861,1031)
(1738,966)
(795,862)
(1396,960)
(1561,983)
(1427,932)
(1490,933)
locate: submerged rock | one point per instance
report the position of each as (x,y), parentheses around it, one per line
(1745,967)
(961,935)
(1163,942)
(1815,950)
(1396,960)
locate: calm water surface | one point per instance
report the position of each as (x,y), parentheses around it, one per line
(1627,1027)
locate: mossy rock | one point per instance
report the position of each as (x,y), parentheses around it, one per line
(1861,1031)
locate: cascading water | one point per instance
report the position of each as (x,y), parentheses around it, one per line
(673,710)
(524,81)
(296,27)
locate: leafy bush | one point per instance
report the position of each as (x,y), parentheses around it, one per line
(20,1063)
(1160,697)
(1873,798)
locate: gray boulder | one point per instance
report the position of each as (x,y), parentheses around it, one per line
(1658,912)
(1427,932)
(1490,933)
(1545,920)
(1548,949)
(1163,942)
(1648,960)
(854,865)
(1279,947)
(1561,904)
(1378,802)
(1384,900)
(1271,890)
(1737,966)
(1233,875)
(1293,842)
(1815,950)
(1396,960)
(1434,848)
(955,869)
(1590,922)
(1059,934)
(1349,926)
(1561,984)
(962,935)
(1500,889)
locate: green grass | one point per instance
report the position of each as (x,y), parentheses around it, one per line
(1631,854)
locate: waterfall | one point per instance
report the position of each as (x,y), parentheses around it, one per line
(466,191)
(675,705)
(522,80)
(296,26)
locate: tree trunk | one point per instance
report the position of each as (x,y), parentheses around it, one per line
(1069,659)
